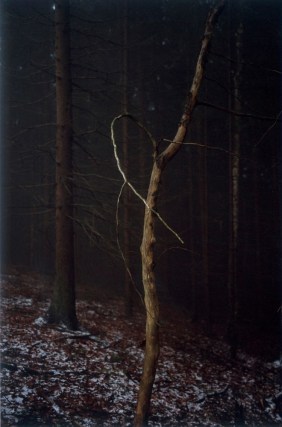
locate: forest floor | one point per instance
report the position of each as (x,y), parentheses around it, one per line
(55,377)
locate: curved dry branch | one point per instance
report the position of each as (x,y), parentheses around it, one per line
(125,180)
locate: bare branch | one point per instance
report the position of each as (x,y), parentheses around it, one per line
(248,63)
(237,113)
(23,131)
(129,183)
(191,100)
(197,144)
(120,248)
(268,130)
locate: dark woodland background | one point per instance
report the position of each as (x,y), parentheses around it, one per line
(139,57)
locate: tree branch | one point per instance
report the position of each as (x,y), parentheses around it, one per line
(128,182)
(191,100)
(237,113)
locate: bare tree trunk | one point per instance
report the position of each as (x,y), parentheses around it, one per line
(193,281)
(234,205)
(205,230)
(128,304)
(152,348)
(257,315)
(62,307)
(151,301)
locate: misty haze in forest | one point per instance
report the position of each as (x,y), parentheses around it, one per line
(93,97)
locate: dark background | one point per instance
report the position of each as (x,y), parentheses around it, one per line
(163,40)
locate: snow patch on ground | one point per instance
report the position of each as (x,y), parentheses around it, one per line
(54,375)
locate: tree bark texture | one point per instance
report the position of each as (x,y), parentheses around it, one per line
(62,307)
(151,301)
(152,348)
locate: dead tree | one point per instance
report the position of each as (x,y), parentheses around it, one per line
(161,160)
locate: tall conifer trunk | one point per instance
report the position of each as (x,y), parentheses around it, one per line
(128,303)
(234,203)
(204,212)
(62,307)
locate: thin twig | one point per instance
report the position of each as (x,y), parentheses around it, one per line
(196,144)
(237,113)
(120,248)
(268,130)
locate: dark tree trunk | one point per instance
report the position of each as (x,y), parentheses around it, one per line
(192,277)
(234,204)
(128,303)
(152,348)
(62,307)
(203,195)
(258,306)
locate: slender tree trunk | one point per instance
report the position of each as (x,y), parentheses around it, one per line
(234,205)
(205,230)
(62,307)
(128,304)
(192,277)
(32,242)
(47,254)
(152,348)
(257,315)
